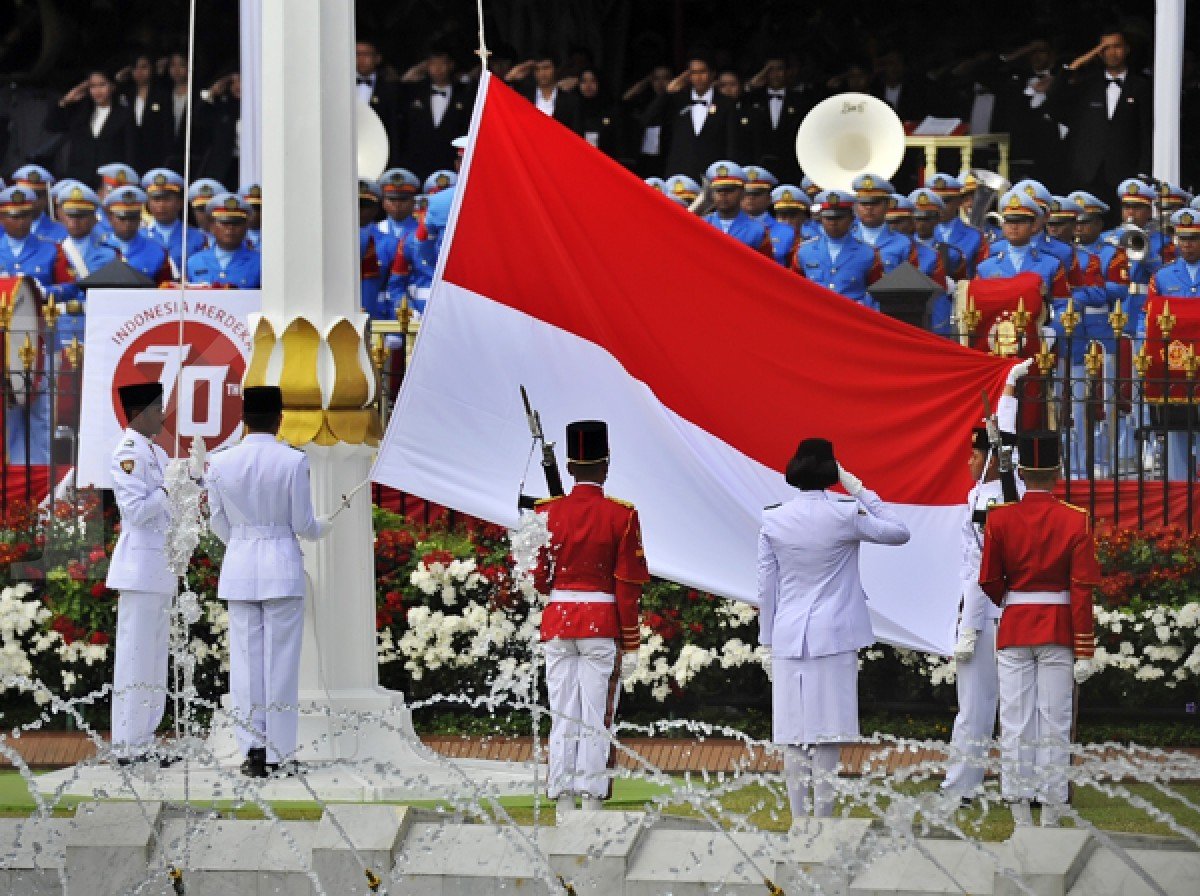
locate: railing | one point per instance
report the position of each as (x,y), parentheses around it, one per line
(1128,457)
(966,146)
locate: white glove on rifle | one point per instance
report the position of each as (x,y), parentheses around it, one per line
(965,648)
(629,664)
(851,483)
(1084,669)
(1017,371)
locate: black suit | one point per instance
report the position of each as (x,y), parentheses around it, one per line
(912,105)
(775,145)
(566,106)
(217,155)
(688,152)
(386,101)
(85,152)
(154,136)
(423,146)
(1101,152)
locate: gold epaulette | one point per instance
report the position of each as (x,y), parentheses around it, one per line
(628,504)
(1074,507)
(540,501)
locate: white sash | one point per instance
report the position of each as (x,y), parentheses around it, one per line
(75,257)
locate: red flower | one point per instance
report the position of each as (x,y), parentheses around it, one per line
(382,619)
(393,599)
(97,555)
(696,628)
(98,638)
(98,590)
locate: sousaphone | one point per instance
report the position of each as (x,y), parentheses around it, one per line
(371,142)
(847,135)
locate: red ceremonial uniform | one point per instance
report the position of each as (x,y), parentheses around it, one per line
(1041,544)
(595,546)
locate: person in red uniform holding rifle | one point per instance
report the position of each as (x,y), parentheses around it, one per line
(593,570)
(1039,564)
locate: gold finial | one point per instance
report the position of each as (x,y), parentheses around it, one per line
(971,317)
(74,306)
(1191,363)
(73,352)
(1093,361)
(378,350)
(1021,316)
(404,313)
(1045,359)
(6,311)
(1117,319)
(1142,361)
(50,312)
(1166,320)
(27,353)
(1070,317)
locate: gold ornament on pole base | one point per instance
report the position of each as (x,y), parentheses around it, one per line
(73,353)
(1020,317)
(327,379)
(28,353)
(50,313)
(1191,363)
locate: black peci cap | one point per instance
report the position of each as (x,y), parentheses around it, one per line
(813,466)
(262,400)
(136,397)
(587,441)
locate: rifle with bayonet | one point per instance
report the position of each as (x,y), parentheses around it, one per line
(1003,453)
(549,461)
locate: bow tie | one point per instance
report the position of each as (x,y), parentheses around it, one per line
(368,81)
(440,91)
(1115,79)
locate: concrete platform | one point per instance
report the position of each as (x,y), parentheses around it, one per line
(426,779)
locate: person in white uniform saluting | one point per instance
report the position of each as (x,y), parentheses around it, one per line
(813,615)
(138,571)
(258,494)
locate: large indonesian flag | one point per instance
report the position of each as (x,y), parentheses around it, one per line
(563,271)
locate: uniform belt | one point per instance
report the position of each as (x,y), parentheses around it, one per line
(1044,598)
(250,532)
(581,597)
(1096,311)
(1138,289)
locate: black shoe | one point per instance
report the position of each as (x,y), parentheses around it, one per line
(289,769)
(126,761)
(166,760)
(255,765)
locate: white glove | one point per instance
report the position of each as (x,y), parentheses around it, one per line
(965,648)
(324,523)
(629,664)
(1017,371)
(768,665)
(851,483)
(1084,669)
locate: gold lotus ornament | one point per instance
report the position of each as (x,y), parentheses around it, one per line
(327,379)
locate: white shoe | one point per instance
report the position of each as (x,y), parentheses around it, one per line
(1052,813)
(1021,813)
(593,804)
(565,803)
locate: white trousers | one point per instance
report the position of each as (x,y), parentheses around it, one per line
(583,684)
(809,772)
(264,673)
(978,687)
(1036,690)
(140,668)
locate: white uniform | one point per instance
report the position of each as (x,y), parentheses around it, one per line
(976,680)
(258,492)
(813,615)
(138,570)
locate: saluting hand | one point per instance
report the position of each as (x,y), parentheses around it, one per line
(851,483)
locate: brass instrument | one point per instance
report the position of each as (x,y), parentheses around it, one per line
(989,187)
(847,135)
(1135,242)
